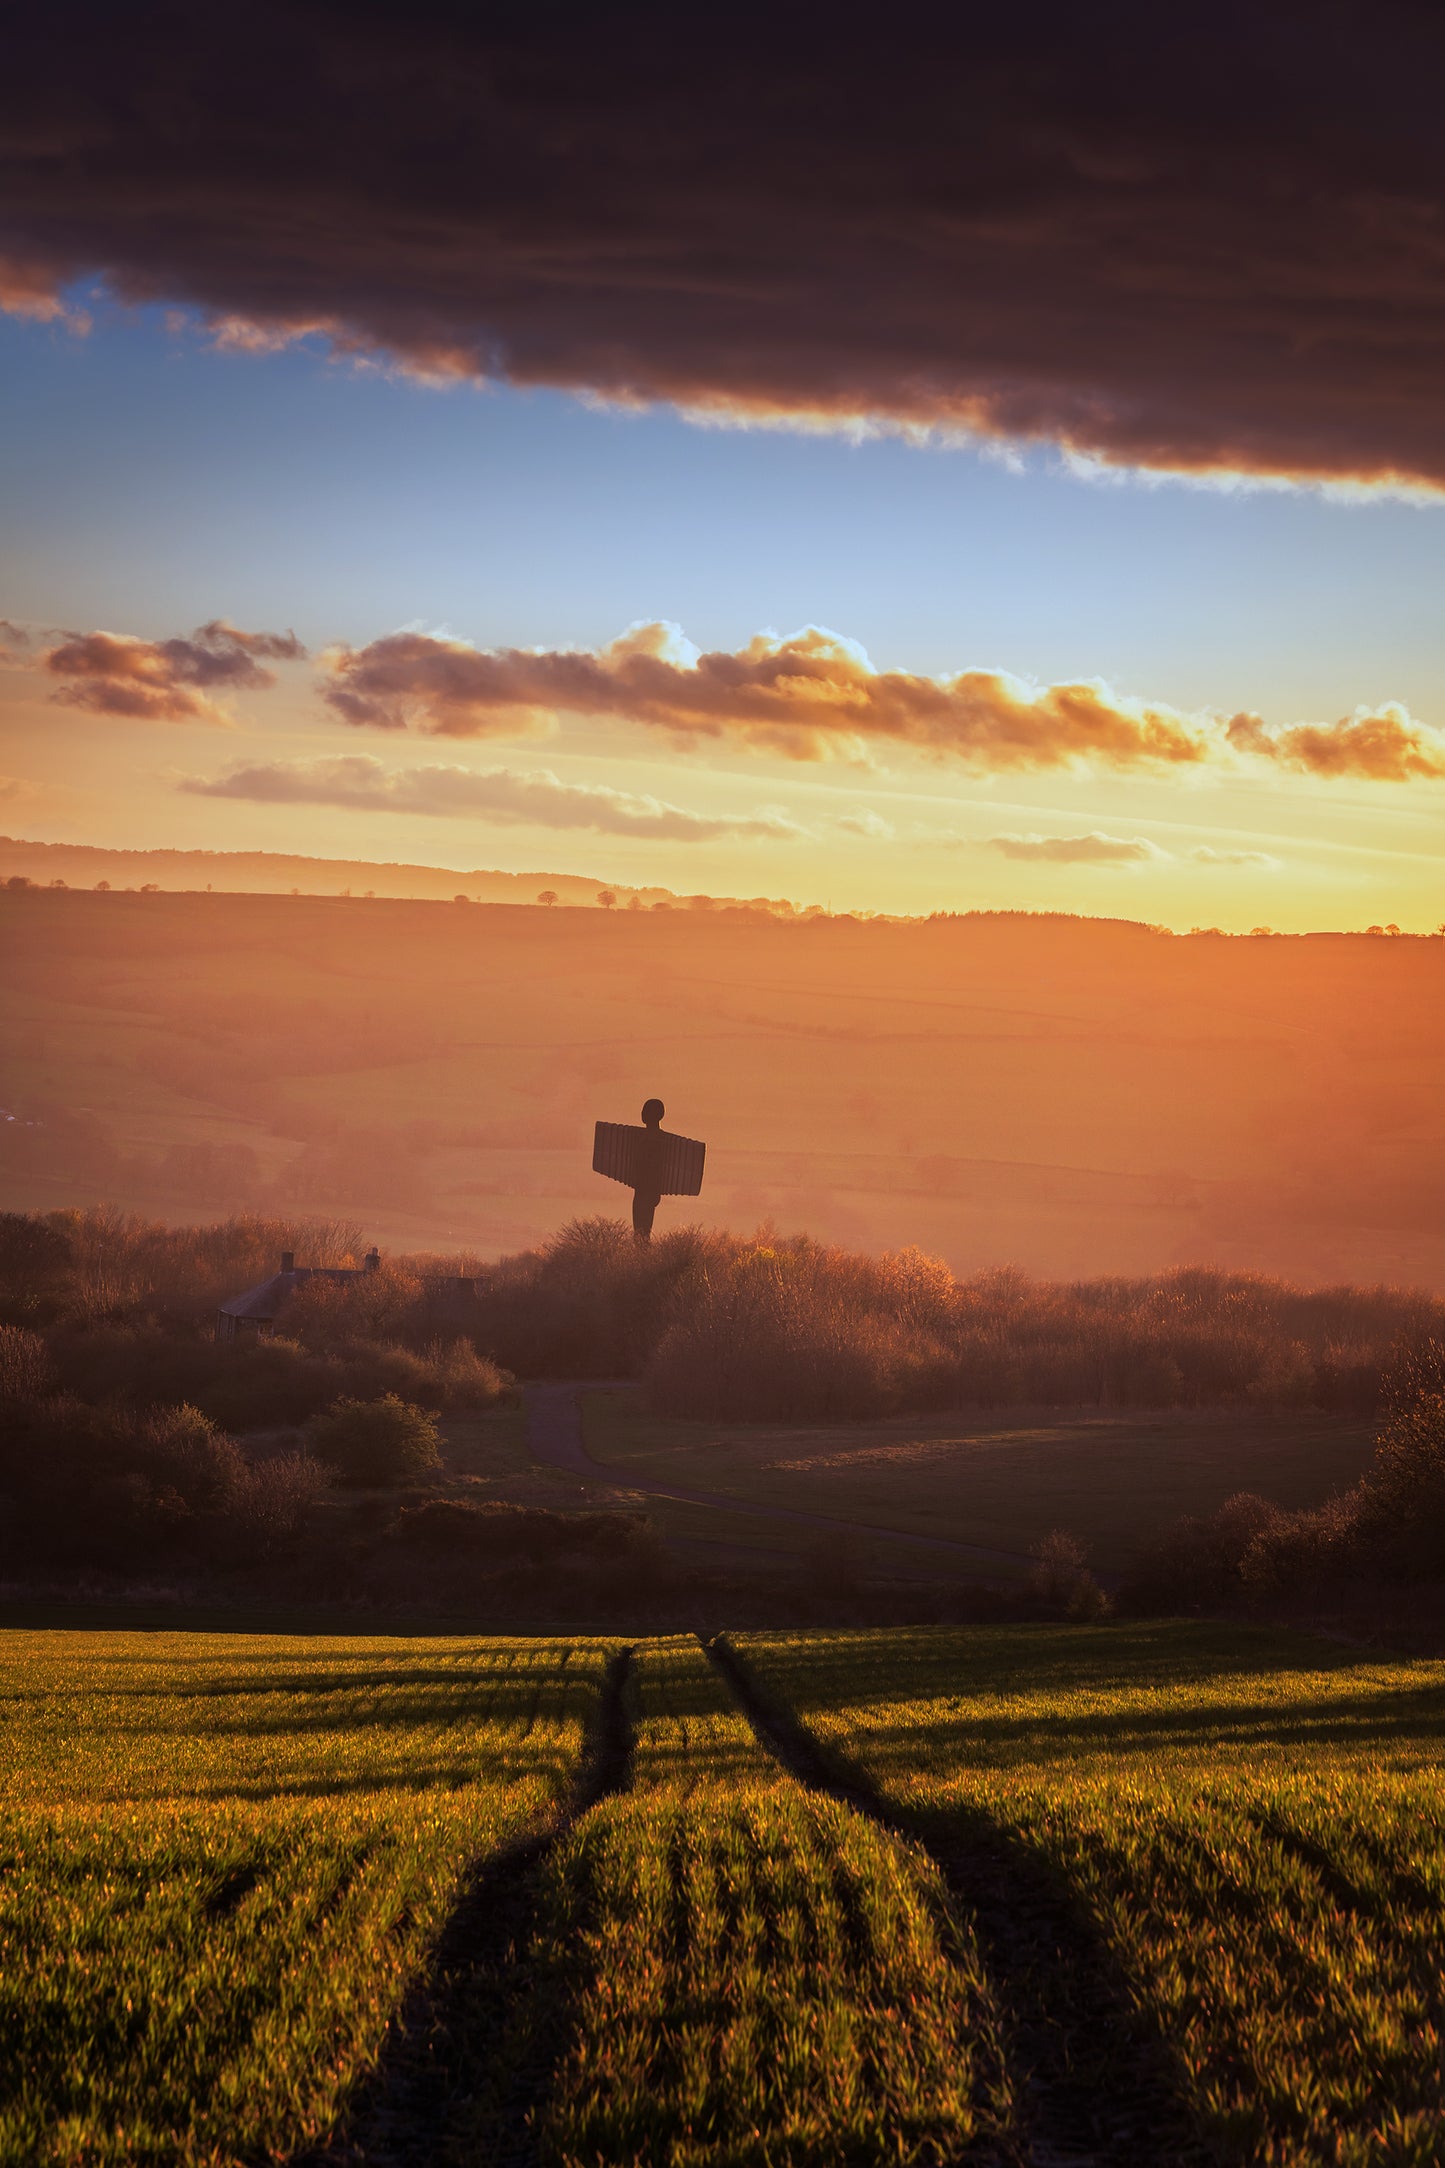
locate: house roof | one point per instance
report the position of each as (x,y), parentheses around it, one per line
(270,1296)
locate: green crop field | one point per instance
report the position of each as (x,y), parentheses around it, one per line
(755,1973)
(222,1857)
(1250,1828)
(1119,1894)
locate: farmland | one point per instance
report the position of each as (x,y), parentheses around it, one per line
(224,1857)
(1000,1480)
(435,1070)
(1250,1833)
(1125,1894)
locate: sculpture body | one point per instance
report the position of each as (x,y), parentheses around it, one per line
(651,1161)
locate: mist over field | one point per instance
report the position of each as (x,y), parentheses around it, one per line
(1074,1096)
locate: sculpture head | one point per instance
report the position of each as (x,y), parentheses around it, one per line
(653,1112)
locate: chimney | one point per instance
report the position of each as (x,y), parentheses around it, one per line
(372,1259)
(288,1260)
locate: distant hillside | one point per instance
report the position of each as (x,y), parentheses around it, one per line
(1074,1096)
(273,873)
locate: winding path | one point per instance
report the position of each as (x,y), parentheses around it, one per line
(554,1437)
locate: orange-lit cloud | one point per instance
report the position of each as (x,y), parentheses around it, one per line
(813,695)
(810,695)
(29,289)
(1099,849)
(1094,849)
(1387,745)
(1193,246)
(540,799)
(164,680)
(1205,854)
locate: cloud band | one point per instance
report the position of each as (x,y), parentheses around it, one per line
(541,799)
(1136,235)
(813,694)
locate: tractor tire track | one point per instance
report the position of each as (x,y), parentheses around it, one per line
(1093,2080)
(469,2059)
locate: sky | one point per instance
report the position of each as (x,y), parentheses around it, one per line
(563,446)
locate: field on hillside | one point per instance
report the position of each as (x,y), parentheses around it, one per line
(1141,1895)
(1076,1097)
(1003,1481)
(486,1457)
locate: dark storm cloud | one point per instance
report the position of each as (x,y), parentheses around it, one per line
(113,673)
(1186,238)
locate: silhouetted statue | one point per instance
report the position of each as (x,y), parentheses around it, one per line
(651,1161)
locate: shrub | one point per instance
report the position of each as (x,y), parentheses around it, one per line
(179,1449)
(25,1374)
(772,1333)
(378,1442)
(1061,1578)
(447,1374)
(122,1266)
(592,1303)
(35,1266)
(768,1329)
(1401,1502)
(255,1383)
(273,1501)
(499,1533)
(326,1315)
(1196,1563)
(1298,1554)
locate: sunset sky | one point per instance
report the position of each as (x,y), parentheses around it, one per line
(1001,469)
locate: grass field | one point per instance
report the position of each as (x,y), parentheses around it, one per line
(221,1859)
(757,1974)
(1126,1895)
(486,1457)
(1000,1480)
(1250,1827)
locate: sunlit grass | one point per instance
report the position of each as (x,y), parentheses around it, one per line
(222,1859)
(760,1975)
(1253,1821)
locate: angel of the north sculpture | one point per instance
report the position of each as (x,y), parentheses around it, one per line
(650,1161)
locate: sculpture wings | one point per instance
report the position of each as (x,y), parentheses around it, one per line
(626,1153)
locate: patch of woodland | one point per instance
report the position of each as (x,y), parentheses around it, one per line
(133,1441)
(727,1328)
(1376,1550)
(786,1329)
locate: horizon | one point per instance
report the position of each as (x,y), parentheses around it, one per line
(28,860)
(1075,1096)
